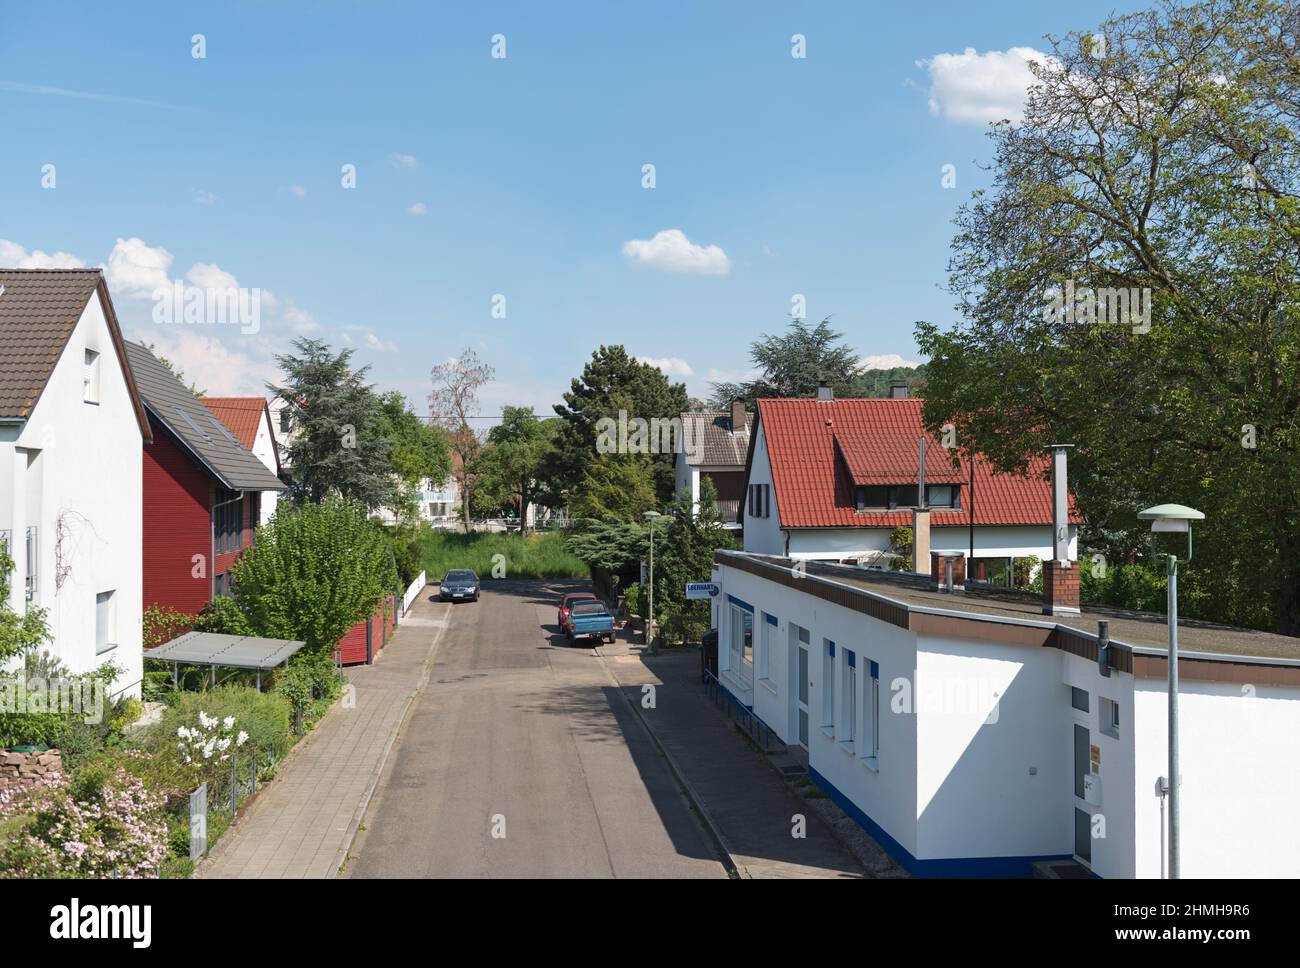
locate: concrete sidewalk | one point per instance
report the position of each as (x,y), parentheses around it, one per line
(302,824)
(748,805)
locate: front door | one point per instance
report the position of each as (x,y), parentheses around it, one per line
(1082,818)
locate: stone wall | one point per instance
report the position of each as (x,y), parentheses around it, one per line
(18,770)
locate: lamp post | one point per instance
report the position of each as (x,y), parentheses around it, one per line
(1173,518)
(650,619)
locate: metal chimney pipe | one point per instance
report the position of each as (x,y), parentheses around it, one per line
(920,478)
(1060,504)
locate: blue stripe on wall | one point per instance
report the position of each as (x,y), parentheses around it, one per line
(941,867)
(771,619)
(742,604)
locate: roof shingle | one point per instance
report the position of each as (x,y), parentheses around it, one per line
(709,441)
(819,450)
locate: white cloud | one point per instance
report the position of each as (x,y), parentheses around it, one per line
(210,364)
(298,190)
(136,269)
(886,362)
(211,276)
(14,256)
(419,208)
(670,365)
(671,251)
(382,345)
(979,88)
(205,198)
(299,320)
(403,161)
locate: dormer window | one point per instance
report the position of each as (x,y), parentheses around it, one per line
(90,377)
(890,497)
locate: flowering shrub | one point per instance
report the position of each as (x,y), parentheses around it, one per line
(101,825)
(208,744)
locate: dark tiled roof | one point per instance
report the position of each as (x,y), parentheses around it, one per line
(39,309)
(710,442)
(206,437)
(819,450)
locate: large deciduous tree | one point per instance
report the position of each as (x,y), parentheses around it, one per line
(512,467)
(1158,153)
(453,403)
(420,452)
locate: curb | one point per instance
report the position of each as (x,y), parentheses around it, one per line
(696,801)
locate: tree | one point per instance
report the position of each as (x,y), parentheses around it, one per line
(315,571)
(340,447)
(614,386)
(420,452)
(794,365)
(513,465)
(614,488)
(1158,160)
(19,634)
(684,552)
(452,403)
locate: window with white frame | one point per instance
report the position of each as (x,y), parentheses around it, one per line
(1109,717)
(828,684)
(763,656)
(871,713)
(742,643)
(90,377)
(849,726)
(105,621)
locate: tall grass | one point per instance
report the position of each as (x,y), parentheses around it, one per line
(535,556)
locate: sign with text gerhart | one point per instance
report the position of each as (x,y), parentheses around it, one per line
(702,589)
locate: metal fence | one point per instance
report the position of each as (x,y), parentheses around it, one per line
(225,792)
(741,715)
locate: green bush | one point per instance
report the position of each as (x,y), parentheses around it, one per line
(520,556)
(263,715)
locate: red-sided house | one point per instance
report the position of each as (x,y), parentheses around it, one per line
(202,492)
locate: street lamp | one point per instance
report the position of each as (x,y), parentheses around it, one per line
(650,619)
(1173,518)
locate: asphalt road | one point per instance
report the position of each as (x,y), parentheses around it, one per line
(518,733)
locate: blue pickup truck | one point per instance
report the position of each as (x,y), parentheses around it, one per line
(590,620)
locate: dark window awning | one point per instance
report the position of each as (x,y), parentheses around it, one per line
(235,651)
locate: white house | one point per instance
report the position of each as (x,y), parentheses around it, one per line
(714,446)
(249,419)
(830,480)
(973,735)
(72,427)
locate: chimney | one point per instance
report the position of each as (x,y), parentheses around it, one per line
(948,571)
(1060,574)
(921,541)
(898,391)
(824,393)
(738,425)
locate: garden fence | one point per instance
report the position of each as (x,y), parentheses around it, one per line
(217,801)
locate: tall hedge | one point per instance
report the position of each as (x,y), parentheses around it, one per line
(315,570)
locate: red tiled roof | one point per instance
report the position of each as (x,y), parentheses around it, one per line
(240,415)
(819,451)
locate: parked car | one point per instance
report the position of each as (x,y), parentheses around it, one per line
(562,618)
(590,620)
(459,584)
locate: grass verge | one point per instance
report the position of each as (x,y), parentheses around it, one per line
(532,556)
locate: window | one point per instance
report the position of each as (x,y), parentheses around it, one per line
(285,421)
(764,656)
(105,622)
(228,520)
(1109,715)
(760,500)
(871,496)
(871,715)
(849,729)
(941,496)
(742,643)
(828,684)
(90,378)
(1079,698)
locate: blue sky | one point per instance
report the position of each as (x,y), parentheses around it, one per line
(519,176)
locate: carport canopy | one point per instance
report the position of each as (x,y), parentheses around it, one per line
(234,651)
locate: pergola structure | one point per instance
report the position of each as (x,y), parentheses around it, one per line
(235,651)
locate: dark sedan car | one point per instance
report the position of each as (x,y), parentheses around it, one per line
(460,585)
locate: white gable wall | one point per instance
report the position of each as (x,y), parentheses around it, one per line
(264,450)
(762,535)
(82,490)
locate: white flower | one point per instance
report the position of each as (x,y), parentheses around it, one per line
(229,722)
(241,739)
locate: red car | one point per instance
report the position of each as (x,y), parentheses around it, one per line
(566,603)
